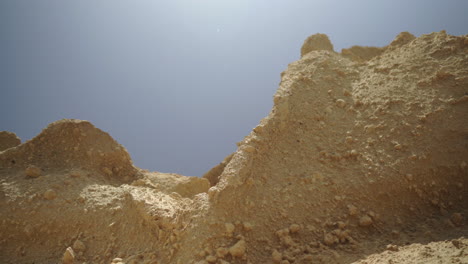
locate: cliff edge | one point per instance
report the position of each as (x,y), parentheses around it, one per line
(364,152)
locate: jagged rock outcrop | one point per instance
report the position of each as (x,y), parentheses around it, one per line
(8,140)
(316,42)
(71,144)
(213,174)
(353,151)
(362,149)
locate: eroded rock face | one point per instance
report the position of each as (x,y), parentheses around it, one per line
(316,42)
(362,149)
(170,182)
(70,143)
(213,175)
(354,149)
(8,140)
(361,54)
(448,251)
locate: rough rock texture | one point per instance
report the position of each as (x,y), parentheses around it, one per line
(316,42)
(363,151)
(71,144)
(213,175)
(361,54)
(448,251)
(171,182)
(8,140)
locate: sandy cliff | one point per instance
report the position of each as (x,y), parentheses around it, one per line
(364,151)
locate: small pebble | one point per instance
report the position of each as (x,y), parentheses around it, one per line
(32,171)
(221,252)
(68,256)
(340,103)
(409,177)
(365,221)
(392,247)
(238,250)
(457,219)
(329,239)
(75,174)
(352,210)
(211,259)
(117,260)
(50,194)
(247,226)
(294,228)
(276,256)
(229,228)
(341,224)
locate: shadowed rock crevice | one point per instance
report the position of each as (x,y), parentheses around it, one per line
(213,174)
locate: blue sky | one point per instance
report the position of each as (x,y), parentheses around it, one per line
(178,82)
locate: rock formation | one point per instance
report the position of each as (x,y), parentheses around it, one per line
(8,140)
(364,151)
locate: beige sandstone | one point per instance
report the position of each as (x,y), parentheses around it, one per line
(362,159)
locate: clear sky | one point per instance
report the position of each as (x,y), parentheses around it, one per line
(178,82)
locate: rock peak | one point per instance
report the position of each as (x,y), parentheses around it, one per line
(316,42)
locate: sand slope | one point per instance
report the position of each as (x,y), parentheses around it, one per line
(362,149)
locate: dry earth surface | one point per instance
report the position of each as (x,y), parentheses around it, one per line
(363,159)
